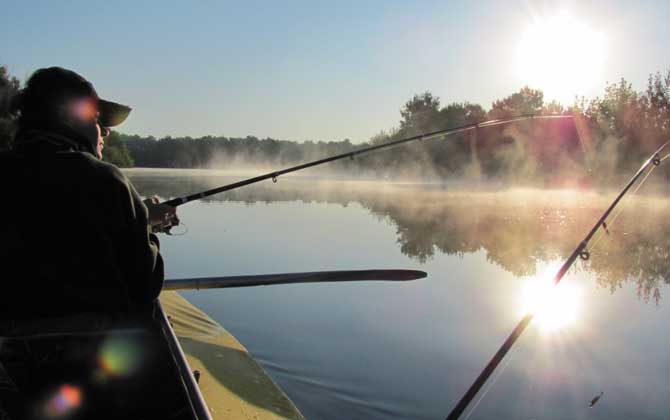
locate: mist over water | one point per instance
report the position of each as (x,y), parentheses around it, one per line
(518,228)
(383,351)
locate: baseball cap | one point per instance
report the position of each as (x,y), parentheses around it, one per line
(50,87)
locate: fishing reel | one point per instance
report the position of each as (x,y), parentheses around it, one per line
(163,217)
(167,225)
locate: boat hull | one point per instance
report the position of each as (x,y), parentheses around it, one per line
(233,384)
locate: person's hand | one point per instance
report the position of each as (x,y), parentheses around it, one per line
(161,216)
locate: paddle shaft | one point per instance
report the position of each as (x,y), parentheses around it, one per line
(291,278)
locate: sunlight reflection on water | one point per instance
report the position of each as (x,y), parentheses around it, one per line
(554,306)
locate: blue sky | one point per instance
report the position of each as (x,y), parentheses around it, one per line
(307,69)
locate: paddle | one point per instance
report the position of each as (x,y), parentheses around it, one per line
(290,278)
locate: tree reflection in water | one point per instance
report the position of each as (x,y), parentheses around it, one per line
(517,229)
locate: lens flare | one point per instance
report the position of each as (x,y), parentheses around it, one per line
(84,109)
(120,356)
(64,401)
(554,306)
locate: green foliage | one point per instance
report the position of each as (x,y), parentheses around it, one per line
(420,114)
(629,125)
(525,102)
(9,86)
(116,152)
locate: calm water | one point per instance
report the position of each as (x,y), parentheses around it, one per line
(409,351)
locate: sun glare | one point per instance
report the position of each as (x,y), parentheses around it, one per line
(553,306)
(562,57)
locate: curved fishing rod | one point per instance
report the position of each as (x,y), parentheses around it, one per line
(580,251)
(178,201)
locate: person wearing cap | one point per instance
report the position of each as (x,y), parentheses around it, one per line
(76,235)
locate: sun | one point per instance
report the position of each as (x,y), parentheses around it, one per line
(562,57)
(553,306)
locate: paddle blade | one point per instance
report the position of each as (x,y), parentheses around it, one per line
(291,278)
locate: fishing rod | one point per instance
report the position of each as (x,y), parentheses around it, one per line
(178,201)
(581,252)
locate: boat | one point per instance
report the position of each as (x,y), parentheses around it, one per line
(169,361)
(233,384)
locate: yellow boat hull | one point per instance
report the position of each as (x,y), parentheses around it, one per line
(233,384)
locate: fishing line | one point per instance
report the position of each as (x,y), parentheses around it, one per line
(486,391)
(608,226)
(581,142)
(180,233)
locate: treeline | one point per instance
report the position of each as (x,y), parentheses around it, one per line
(609,136)
(224,152)
(489,152)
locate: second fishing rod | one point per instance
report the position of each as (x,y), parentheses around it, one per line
(581,252)
(178,201)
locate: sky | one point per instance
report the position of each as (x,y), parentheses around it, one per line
(313,70)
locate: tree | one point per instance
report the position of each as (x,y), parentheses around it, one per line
(619,108)
(116,152)
(655,102)
(553,108)
(628,125)
(9,86)
(524,102)
(419,113)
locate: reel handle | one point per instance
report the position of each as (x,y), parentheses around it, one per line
(166,225)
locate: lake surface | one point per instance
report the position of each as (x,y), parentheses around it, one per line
(386,350)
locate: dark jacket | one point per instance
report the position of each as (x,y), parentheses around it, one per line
(74,235)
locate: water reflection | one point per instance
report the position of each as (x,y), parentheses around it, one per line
(518,230)
(553,306)
(397,351)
